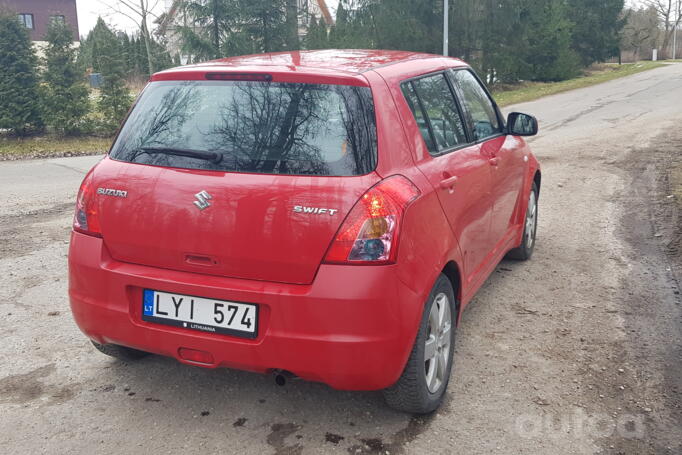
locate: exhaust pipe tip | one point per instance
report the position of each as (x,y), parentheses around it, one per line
(282,376)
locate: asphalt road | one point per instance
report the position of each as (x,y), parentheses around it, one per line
(577,351)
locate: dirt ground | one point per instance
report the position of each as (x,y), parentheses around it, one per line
(651,224)
(657,212)
(578,351)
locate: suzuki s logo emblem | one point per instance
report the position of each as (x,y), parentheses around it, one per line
(202,200)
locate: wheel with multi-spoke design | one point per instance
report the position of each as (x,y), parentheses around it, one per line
(422,385)
(438,343)
(524,251)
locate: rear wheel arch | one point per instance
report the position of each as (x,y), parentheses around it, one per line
(412,392)
(537,178)
(452,272)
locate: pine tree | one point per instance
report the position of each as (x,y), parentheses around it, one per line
(341,34)
(507,40)
(549,53)
(126,45)
(291,27)
(466,22)
(64,95)
(161,56)
(503,57)
(84,54)
(109,60)
(133,53)
(388,24)
(317,37)
(210,24)
(222,28)
(264,22)
(139,53)
(597,28)
(19,102)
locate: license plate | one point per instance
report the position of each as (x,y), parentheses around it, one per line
(199,313)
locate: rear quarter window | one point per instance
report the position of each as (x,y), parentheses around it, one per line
(259,127)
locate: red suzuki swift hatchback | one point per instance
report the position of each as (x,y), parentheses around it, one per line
(323,214)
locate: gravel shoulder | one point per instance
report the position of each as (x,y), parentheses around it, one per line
(651,225)
(576,351)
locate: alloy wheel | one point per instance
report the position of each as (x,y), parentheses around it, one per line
(531,220)
(437,345)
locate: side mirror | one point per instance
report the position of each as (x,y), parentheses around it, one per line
(519,124)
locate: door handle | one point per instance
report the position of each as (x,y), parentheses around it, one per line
(494,161)
(448,183)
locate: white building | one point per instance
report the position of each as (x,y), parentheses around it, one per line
(317,8)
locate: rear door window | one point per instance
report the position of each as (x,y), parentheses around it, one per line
(484,121)
(260,127)
(436,112)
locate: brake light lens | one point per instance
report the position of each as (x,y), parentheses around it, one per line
(239,77)
(86,218)
(369,235)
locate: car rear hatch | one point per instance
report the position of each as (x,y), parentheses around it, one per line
(240,179)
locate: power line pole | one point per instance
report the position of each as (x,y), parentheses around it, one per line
(675,31)
(445,28)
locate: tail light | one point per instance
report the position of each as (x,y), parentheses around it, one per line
(86,218)
(369,235)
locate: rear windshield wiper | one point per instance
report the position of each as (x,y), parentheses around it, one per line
(213,157)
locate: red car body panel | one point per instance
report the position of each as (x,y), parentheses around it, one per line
(472,204)
(164,229)
(316,331)
(349,326)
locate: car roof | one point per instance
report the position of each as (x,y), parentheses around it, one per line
(342,63)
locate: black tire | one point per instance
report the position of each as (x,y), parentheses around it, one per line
(411,393)
(120,352)
(525,251)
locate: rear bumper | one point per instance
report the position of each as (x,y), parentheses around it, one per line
(353,328)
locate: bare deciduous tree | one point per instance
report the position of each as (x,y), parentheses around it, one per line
(139,11)
(641,30)
(670,13)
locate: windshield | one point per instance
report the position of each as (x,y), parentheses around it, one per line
(263,127)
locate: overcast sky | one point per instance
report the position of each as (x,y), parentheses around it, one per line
(89,10)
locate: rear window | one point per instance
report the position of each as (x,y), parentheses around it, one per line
(260,127)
